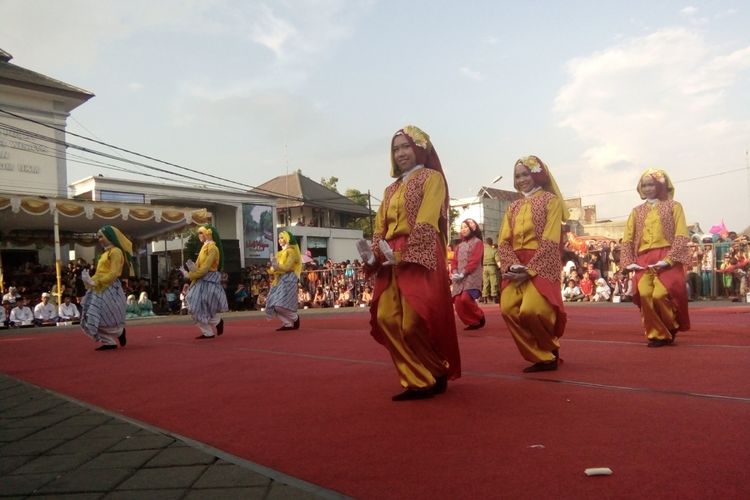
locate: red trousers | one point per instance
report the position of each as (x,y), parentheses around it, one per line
(467,309)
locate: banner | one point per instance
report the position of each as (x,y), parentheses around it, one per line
(258,238)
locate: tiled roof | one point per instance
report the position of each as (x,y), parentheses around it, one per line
(303,191)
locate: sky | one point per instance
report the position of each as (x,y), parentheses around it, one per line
(248,90)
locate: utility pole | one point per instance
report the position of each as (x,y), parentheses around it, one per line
(369,208)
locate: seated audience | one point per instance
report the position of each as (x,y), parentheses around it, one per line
(571,293)
(67,311)
(145,306)
(21,315)
(45,314)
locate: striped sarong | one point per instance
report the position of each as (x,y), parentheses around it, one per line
(103,312)
(283,294)
(206,297)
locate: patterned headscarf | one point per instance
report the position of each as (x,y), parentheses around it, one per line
(664,187)
(291,242)
(428,157)
(210,232)
(542,178)
(115,238)
(474,229)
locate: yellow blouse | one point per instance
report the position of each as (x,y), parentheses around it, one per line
(522,235)
(653,233)
(108,268)
(289,261)
(393,217)
(208,260)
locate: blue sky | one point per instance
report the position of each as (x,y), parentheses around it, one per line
(248,89)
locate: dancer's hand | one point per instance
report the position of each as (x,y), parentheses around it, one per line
(518,268)
(365,251)
(390,258)
(456,277)
(634,267)
(518,277)
(86,278)
(659,265)
(184,273)
(190,265)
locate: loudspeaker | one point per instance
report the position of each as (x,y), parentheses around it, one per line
(232,262)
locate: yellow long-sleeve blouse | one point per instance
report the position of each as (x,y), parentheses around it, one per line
(108,268)
(522,233)
(208,260)
(393,217)
(653,233)
(289,260)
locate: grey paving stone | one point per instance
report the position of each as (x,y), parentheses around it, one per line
(87,481)
(26,484)
(127,459)
(71,496)
(143,442)
(52,463)
(84,445)
(163,477)
(145,494)
(281,491)
(9,464)
(181,456)
(29,408)
(61,431)
(37,421)
(256,493)
(111,430)
(14,434)
(66,410)
(230,475)
(30,446)
(89,418)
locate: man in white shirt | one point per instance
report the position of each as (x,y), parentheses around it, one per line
(45,314)
(12,296)
(68,311)
(21,315)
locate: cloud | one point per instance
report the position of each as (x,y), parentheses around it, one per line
(471,74)
(659,100)
(135,86)
(271,31)
(689,11)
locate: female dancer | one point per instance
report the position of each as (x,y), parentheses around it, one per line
(530,259)
(466,275)
(286,268)
(206,298)
(655,246)
(103,314)
(411,313)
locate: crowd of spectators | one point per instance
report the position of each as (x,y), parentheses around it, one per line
(718,269)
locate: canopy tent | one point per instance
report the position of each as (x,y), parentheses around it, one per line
(29,219)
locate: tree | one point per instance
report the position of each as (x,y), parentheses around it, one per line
(330,183)
(363,223)
(452,214)
(192,246)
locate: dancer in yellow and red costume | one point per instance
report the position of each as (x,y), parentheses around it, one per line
(411,311)
(529,249)
(655,246)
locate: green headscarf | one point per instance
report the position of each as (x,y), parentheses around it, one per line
(119,240)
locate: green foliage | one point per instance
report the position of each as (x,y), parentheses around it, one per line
(192,245)
(330,183)
(452,214)
(357,196)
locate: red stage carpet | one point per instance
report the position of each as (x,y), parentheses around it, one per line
(315,404)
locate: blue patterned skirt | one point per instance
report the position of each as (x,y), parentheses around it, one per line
(105,310)
(206,297)
(283,294)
